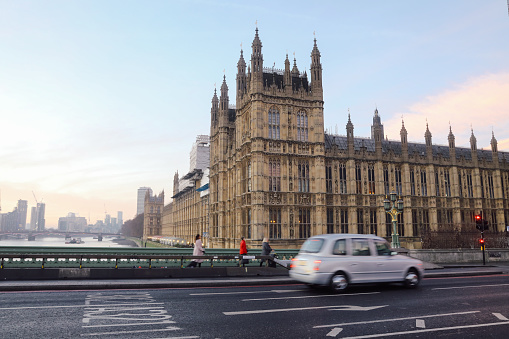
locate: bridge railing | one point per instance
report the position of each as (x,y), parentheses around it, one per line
(51,257)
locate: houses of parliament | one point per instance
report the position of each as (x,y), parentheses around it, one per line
(274,172)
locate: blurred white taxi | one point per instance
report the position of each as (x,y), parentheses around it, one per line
(338,260)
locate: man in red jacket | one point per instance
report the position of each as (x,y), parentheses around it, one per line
(243,251)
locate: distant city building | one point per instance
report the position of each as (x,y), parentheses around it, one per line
(15,221)
(33,218)
(22,214)
(200,153)
(120,219)
(41,222)
(72,223)
(142,191)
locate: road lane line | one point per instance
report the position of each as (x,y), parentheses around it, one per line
(133,324)
(420,323)
(426,330)
(310,296)
(459,287)
(500,316)
(395,319)
(74,306)
(333,307)
(131,332)
(246,292)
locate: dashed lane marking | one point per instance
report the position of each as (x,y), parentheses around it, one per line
(132,332)
(334,332)
(332,308)
(500,316)
(460,287)
(420,323)
(396,319)
(427,330)
(246,292)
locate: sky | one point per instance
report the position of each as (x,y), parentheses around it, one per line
(99,98)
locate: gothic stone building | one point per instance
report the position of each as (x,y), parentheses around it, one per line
(275,173)
(152,214)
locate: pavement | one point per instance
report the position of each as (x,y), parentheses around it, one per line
(431,271)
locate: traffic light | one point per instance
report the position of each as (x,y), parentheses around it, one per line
(481,242)
(478,222)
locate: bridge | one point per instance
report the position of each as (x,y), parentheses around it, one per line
(32,235)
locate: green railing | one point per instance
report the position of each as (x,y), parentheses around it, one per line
(124,257)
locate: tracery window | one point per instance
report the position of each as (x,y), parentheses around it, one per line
(328,178)
(397,176)
(304,223)
(491,192)
(447,181)
(330,220)
(302,126)
(424,185)
(386,180)
(358,179)
(412,182)
(303,179)
(470,189)
(360,221)
(344,221)
(371,179)
(274,175)
(373,229)
(342,179)
(275,223)
(274,123)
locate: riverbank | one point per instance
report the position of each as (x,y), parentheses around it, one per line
(126,242)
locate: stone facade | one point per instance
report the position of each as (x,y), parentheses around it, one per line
(275,173)
(152,217)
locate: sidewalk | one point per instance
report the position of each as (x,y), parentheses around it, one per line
(431,271)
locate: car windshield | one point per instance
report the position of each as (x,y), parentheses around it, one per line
(312,246)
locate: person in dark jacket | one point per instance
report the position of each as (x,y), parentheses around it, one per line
(266,249)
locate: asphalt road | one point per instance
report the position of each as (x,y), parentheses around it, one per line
(461,307)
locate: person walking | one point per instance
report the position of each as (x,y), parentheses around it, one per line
(198,250)
(243,251)
(266,249)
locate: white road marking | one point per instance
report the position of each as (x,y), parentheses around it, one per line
(334,332)
(459,287)
(420,323)
(246,292)
(310,296)
(133,324)
(75,306)
(500,316)
(426,330)
(395,319)
(333,307)
(130,332)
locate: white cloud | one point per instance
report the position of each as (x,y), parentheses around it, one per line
(481,103)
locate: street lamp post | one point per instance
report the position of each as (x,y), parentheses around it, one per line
(393,208)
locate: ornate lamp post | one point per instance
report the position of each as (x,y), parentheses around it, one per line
(394,208)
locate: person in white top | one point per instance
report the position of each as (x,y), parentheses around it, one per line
(198,250)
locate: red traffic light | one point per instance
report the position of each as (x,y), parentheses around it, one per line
(481,241)
(478,217)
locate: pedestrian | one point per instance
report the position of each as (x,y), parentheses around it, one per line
(243,251)
(266,249)
(198,250)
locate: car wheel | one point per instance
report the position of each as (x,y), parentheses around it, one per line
(412,278)
(339,282)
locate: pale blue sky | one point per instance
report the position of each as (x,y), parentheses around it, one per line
(98,98)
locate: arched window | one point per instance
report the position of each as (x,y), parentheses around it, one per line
(274,175)
(273,123)
(302,126)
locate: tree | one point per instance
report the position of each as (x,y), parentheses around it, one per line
(133,227)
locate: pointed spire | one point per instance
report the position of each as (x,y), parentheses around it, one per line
(451,138)
(427,136)
(494,143)
(295,70)
(403,133)
(473,141)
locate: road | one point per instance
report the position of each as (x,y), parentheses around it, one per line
(466,307)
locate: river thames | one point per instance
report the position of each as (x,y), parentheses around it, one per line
(108,241)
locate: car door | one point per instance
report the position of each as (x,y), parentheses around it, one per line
(388,267)
(362,264)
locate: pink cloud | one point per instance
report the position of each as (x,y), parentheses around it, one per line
(481,103)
